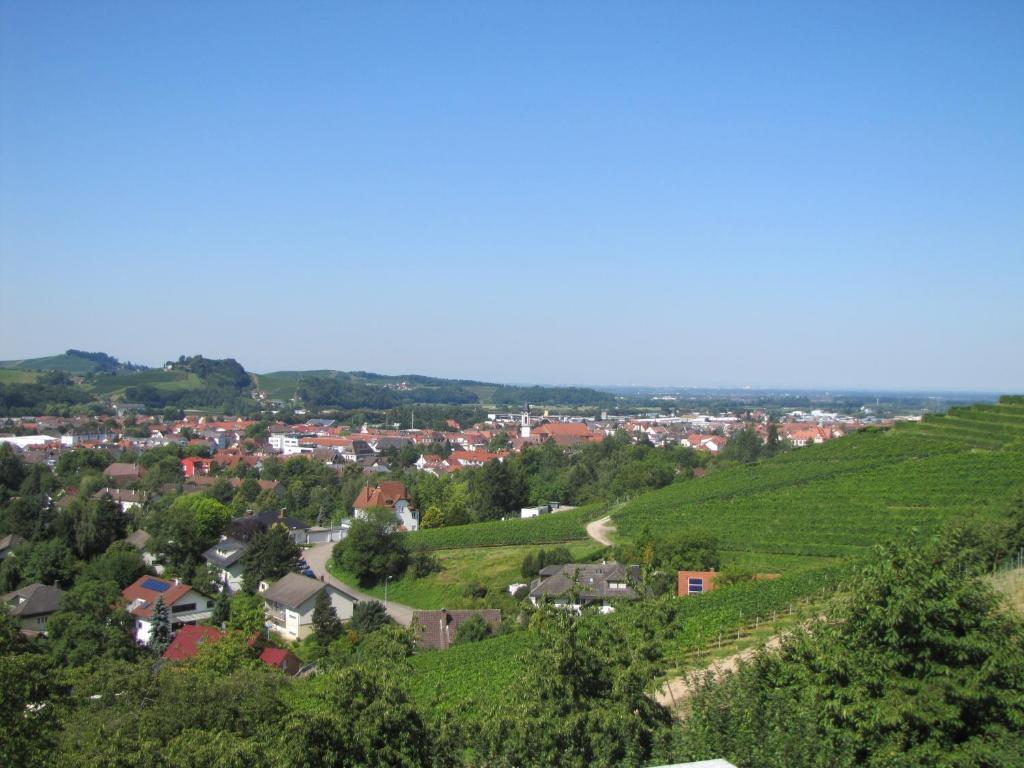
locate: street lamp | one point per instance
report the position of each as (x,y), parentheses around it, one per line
(386,582)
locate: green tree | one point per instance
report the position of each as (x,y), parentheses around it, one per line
(326,624)
(121,563)
(96,524)
(221,609)
(368,616)
(744,446)
(920,667)
(433,517)
(160,634)
(247,614)
(358,716)
(472,630)
(187,528)
(270,555)
(91,623)
(372,550)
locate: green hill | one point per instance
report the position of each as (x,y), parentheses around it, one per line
(844,496)
(67,363)
(836,499)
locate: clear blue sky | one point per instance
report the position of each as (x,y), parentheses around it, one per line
(803,194)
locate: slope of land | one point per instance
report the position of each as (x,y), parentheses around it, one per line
(835,500)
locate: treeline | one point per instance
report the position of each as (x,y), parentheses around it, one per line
(613,469)
(319,393)
(104,363)
(225,385)
(518,396)
(43,397)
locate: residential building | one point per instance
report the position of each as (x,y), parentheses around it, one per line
(695,582)
(125,499)
(9,543)
(122,474)
(577,585)
(226,557)
(389,495)
(437,630)
(290,602)
(192,466)
(32,606)
(184,604)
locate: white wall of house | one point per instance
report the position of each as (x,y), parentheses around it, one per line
(192,608)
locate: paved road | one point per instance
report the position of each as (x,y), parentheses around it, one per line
(599,530)
(317,557)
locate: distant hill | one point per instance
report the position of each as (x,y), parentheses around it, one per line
(199,382)
(74,361)
(351,389)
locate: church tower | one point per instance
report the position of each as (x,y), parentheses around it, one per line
(524,422)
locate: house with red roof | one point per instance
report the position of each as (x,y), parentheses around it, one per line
(188,639)
(184,604)
(196,465)
(567,434)
(389,495)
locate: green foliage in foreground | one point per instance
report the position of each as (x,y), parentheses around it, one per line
(919,668)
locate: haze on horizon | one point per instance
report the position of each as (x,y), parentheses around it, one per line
(744,194)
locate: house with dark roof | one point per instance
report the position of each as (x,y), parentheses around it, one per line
(289,604)
(10,542)
(120,473)
(32,606)
(245,527)
(184,604)
(226,557)
(140,540)
(577,585)
(437,630)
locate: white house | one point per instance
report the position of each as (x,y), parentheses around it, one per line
(226,557)
(290,602)
(184,604)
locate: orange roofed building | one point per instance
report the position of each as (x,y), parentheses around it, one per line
(695,582)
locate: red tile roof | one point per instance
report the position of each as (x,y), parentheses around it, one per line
(136,591)
(186,641)
(385,495)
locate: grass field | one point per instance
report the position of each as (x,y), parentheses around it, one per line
(115,385)
(68,363)
(493,567)
(545,529)
(17,376)
(1011,584)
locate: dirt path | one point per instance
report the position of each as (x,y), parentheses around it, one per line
(317,557)
(676,690)
(599,530)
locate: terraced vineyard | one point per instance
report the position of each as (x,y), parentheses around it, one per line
(844,496)
(837,499)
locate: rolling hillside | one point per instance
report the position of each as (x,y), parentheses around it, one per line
(844,496)
(837,500)
(68,363)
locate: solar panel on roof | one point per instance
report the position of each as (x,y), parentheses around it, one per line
(156,586)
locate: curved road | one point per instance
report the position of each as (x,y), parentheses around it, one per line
(317,557)
(599,530)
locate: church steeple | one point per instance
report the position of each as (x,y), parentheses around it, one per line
(524,422)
